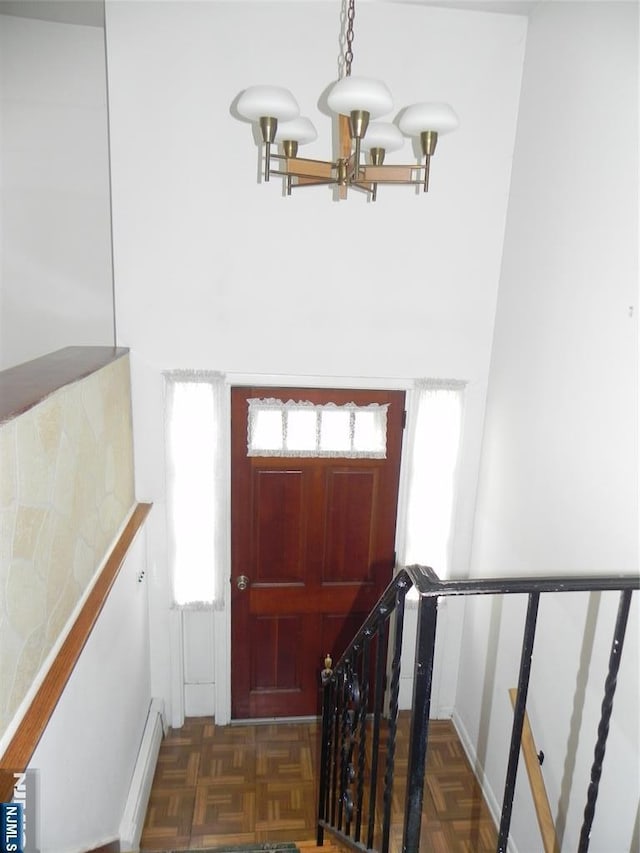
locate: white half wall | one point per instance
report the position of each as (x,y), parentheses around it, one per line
(558,492)
(87,753)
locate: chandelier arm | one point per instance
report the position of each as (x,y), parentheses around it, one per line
(311,169)
(358,185)
(313,182)
(393,174)
(400,183)
(286,159)
(305,180)
(364,167)
(308,175)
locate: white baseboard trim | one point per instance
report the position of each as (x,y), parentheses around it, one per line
(443,712)
(136,806)
(96,844)
(494,806)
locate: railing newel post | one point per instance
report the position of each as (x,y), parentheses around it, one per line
(325,755)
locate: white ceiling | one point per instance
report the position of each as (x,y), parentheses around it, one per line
(91,12)
(87,12)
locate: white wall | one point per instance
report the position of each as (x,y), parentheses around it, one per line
(235,275)
(216,271)
(558,491)
(55,242)
(87,753)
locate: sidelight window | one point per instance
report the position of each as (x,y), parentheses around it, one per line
(431,463)
(196,466)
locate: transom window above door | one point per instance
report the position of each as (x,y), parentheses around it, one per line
(303,428)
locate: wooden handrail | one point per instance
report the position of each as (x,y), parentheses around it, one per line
(27,736)
(28,384)
(538,790)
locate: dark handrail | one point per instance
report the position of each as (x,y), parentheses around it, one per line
(427,582)
(349,699)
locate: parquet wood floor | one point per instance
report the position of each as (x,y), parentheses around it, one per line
(243,784)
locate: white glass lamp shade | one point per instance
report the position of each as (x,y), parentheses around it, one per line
(360,93)
(417,118)
(382,134)
(258,102)
(299,130)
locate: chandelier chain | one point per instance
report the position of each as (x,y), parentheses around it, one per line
(348,56)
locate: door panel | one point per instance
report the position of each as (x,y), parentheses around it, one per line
(277,506)
(276,663)
(349,539)
(315,536)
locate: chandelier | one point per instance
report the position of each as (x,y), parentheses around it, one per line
(358,102)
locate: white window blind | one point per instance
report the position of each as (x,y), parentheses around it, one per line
(195,430)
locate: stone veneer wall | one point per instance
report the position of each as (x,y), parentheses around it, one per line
(66,488)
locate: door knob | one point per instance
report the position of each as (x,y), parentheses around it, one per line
(242,582)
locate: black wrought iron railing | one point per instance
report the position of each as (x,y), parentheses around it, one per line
(359,734)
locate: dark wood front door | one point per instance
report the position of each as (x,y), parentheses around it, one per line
(314,538)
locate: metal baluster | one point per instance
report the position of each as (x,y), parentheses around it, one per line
(331,779)
(362,728)
(352,710)
(377,712)
(336,749)
(418,736)
(393,717)
(518,720)
(605,717)
(343,749)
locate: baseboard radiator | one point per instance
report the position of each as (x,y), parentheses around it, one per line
(138,798)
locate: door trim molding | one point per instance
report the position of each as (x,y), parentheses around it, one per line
(176,666)
(366,383)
